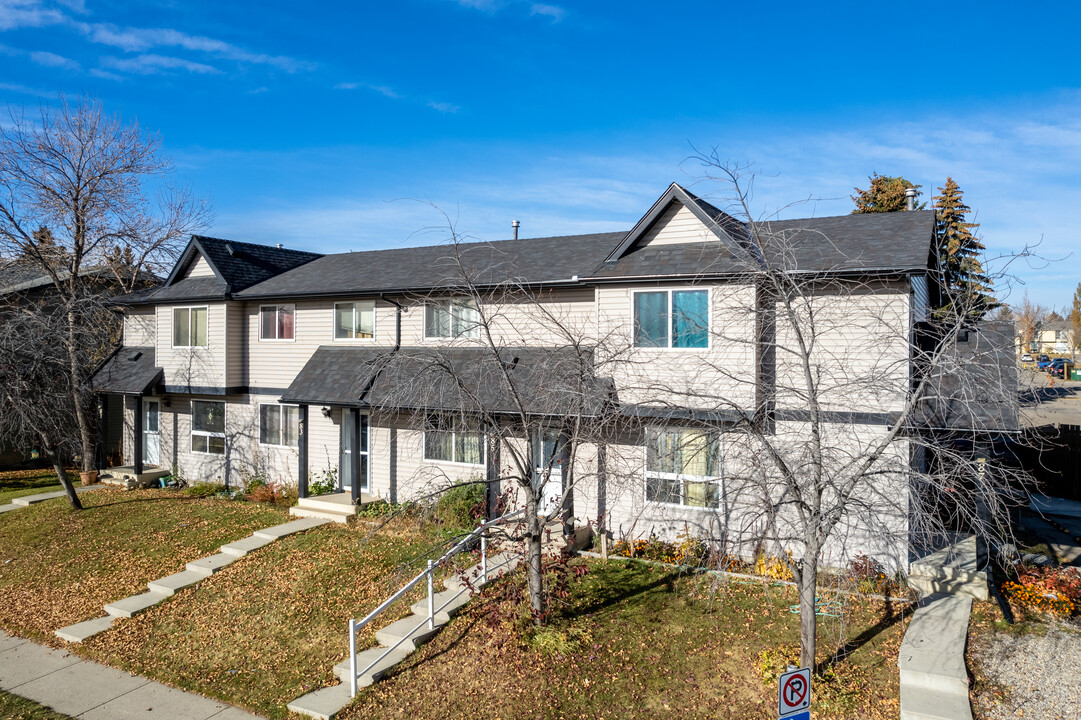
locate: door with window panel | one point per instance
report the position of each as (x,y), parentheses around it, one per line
(350,418)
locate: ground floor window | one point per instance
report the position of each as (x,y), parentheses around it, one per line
(208,427)
(449,439)
(279,425)
(683,466)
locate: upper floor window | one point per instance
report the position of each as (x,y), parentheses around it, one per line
(189,327)
(354,320)
(276,322)
(279,425)
(683,466)
(208,427)
(671,318)
(448,439)
(451,318)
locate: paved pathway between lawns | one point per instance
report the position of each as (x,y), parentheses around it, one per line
(84,689)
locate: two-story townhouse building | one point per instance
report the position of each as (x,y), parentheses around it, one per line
(371,367)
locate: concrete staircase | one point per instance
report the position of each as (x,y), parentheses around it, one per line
(126,477)
(326,702)
(953,570)
(931,661)
(336,507)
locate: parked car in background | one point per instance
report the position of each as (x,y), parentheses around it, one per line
(1058,366)
(1042,362)
(1026,358)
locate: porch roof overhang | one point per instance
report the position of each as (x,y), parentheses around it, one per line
(130,371)
(467,380)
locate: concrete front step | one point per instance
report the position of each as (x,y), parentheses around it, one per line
(209,565)
(377,671)
(932,654)
(169,585)
(919,703)
(322,704)
(335,516)
(289,528)
(132,606)
(447,604)
(240,548)
(407,628)
(88,628)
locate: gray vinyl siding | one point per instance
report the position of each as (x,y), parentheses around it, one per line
(199,268)
(676,225)
(140,327)
(236,346)
(196,366)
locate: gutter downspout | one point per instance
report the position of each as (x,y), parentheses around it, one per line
(397,320)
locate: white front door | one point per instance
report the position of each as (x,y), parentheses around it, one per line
(548,459)
(345,466)
(151,431)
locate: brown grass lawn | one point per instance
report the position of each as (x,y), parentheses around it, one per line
(639,641)
(270,627)
(58,566)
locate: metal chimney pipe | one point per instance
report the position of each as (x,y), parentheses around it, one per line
(515,224)
(910,198)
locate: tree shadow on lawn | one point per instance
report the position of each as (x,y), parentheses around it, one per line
(890,617)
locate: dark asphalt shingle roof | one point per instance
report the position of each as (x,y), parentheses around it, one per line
(245,264)
(131,371)
(549,381)
(536,260)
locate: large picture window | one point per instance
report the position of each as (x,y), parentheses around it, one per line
(354,321)
(189,327)
(208,427)
(671,318)
(456,317)
(683,466)
(276,322)
(448,439)
(279,425)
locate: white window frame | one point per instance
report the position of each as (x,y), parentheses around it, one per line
(669,291)
(276,308)
(192,432)
(334,321)
(281,429)
(172,322)
(453,432)
(448,305)
(717,479)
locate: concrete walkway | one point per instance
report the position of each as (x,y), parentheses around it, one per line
(85,689)
(931,661)
(28,500)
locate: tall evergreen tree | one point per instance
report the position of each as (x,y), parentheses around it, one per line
(966,286)
(885,194)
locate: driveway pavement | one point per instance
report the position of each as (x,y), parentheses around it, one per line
(87,690)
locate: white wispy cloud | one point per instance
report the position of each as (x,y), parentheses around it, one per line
(151,64)
(443,107)
(24,90)
(48,59)
(384,90)
(554,12)
(16,14)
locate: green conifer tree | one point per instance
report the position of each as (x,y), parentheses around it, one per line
(966,286)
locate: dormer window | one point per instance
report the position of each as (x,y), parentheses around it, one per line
(276,322)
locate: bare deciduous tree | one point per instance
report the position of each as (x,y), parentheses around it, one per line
(99,188)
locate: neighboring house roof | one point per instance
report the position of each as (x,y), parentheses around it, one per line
(451,379)
(23,275)
(974,386)
(130,371)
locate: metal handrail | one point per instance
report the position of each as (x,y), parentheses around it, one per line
(355,627)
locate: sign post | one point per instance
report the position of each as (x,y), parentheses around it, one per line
(794,694)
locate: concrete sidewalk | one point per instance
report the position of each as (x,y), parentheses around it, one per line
(85,689)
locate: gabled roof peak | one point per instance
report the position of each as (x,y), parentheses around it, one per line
(728,229)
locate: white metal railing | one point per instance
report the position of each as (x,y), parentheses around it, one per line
(429,574)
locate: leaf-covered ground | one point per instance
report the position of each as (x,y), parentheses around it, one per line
(18,483)
(639,641)
(59,566)
(13,707)
(270,627)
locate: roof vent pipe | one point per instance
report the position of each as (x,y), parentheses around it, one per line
(515,224)
(278,245)
(910,198)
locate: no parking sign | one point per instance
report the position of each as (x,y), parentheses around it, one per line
(794,692)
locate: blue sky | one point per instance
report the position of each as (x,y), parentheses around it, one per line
(333,126)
